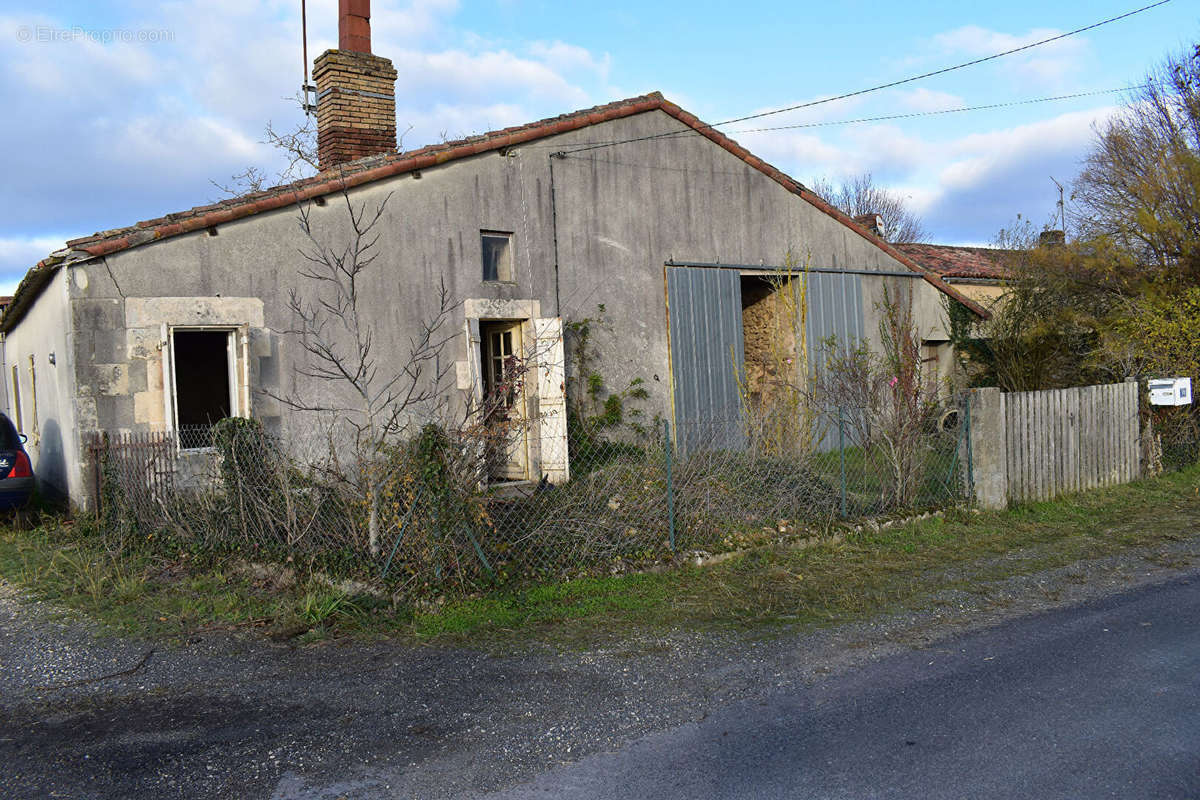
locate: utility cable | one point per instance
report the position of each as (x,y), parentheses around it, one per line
(938,112)
(891,84)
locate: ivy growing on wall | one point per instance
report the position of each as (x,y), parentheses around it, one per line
(594,410)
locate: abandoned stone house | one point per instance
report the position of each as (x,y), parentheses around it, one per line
(636,205)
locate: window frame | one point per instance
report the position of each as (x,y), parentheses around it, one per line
(236,355)
(510,240)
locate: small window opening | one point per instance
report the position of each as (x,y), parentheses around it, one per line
(497,256)
(202,396)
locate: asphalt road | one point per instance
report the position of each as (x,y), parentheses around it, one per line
(1101,700)
(1095,697)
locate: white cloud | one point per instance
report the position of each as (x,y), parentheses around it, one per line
(1048,64)
(137,130)
(413,21)
(477,76)
(789,148)
(928,100)
(991,177)
(450,122)
(564,57)
(888,151)
(34,58)
(19,253)
(966,187)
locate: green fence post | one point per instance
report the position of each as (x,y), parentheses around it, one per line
(842,455)
(670,486)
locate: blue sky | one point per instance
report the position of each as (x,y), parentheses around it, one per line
(118,111)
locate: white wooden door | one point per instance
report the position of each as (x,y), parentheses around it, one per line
(552,399)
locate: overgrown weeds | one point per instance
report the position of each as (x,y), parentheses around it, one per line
(847,574)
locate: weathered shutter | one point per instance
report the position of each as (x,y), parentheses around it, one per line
(168,377)
(243,382)
(552,398)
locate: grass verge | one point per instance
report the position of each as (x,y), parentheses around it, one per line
(848,576)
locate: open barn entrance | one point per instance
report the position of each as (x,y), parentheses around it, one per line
(769,315)
(773,389)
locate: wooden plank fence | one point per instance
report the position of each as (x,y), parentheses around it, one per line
(1067,440)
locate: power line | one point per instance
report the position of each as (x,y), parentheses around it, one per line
(938,112)
(860,120)
(895,83)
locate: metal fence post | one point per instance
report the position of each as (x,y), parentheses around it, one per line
(842,455)
(970,454)
(670,486)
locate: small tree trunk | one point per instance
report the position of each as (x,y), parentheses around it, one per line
(372,516)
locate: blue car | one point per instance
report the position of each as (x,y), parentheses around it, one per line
(16,471)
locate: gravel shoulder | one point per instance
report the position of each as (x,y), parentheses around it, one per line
(227,715)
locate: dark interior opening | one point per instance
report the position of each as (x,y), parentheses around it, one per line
(201,383)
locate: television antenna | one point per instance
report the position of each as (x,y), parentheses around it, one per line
(1062,209)
(307,90)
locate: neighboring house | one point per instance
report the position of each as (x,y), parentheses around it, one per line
(977,272)
(635,205)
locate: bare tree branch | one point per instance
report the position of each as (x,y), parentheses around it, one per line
(859,195)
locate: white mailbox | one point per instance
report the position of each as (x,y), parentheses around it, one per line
(1170,391)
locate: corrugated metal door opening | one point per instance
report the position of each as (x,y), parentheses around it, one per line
(707,342)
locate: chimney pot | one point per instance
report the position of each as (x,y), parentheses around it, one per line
(354,25)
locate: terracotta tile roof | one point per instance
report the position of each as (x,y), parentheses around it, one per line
(959,262)
(379,167)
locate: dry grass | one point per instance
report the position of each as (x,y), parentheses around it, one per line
(843,577)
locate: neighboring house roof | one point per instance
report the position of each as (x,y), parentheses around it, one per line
(375,168)
(979,263)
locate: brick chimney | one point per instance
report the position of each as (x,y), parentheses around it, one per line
(1052,238)
(356,93)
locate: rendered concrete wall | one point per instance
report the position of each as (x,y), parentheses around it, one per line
(988,450)
(986,294)
(621,213)
(46,335)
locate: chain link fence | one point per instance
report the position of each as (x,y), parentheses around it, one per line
(422,517)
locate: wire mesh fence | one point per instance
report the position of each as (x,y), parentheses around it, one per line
(423,517)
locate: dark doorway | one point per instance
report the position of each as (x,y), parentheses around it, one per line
(201,361)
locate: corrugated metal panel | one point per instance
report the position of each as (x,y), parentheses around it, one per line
(835,309)
(707,356)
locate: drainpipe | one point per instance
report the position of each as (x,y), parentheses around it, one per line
(554,233)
